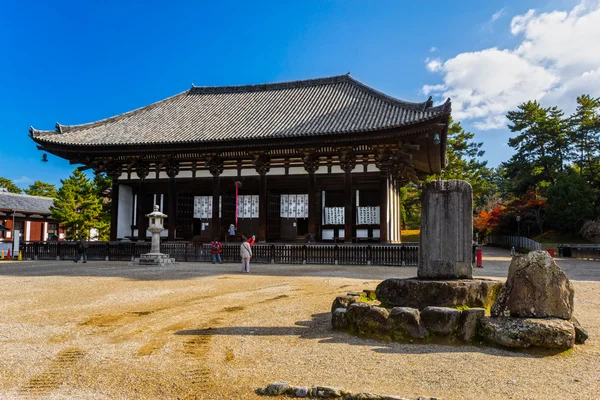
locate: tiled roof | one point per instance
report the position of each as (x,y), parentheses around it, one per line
(25,203)
(323,106)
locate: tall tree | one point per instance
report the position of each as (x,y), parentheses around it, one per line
(585,135)
(102,186)
(541,144)
(40,188)
(77,206)
(8,184)
(465,162)
(570,202)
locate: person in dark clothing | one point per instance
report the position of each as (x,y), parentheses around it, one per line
(82,246)
(217,248)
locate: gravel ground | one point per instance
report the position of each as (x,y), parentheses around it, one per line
(106,330)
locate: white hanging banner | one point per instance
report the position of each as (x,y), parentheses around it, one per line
(247,206)
(367,216)
(300,206)
(292,209)
(254,206)
(283,206)
(306,206)
(334,215)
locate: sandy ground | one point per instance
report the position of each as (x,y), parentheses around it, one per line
(111,331)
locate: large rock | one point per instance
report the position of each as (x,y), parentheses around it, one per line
(469,323)
(374,322)
(406,322)
(446,238)
(419,293)
(440,320)
(355,313)
(339,320)
(535,287)
(343,302)
(526,332)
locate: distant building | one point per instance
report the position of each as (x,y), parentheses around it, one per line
(320,159)
(30,215)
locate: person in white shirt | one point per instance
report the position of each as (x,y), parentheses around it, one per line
(246,254)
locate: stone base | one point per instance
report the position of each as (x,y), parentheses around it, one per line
(420,293)
(158,259)
(554,333)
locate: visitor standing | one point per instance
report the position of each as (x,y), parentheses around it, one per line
(252,240)
(217,248)
(246,254)
(231,232)
(82,246)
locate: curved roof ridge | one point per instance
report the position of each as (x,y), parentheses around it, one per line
(422,106)
(444,107)
(270,86)
(60,128)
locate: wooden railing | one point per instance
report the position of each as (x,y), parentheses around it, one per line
(406,254)
(519,242)
(581,251)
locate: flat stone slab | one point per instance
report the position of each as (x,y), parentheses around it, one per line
(528,332)
(421,293)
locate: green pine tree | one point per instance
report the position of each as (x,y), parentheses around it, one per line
(585,136)
(102,186)
(40,188)
(8,184)
(542,147)
(78,207)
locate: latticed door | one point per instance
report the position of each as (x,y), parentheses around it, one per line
(185,216)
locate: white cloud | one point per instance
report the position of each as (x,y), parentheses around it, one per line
(556,60)
(434,64)
(498,14)
(23,179)
(433,49)
(426,89)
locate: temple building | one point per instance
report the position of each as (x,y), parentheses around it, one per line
(313,160)
(30,215)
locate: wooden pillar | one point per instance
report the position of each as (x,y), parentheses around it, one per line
(142,172)
(172,169)
(383,207)
(262,208)
(311,165)
(347,163)
(114,175)
(216,194)
(348,214)
(114,210)
(141,214)
(262,163)
(172,208)
(215,166)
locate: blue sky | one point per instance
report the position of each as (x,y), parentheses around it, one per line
(76,62)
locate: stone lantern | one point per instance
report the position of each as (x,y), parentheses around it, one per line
(155,226)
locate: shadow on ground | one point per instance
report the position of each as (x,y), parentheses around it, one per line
(320,328)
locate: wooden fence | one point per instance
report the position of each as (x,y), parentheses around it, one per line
(581,251)
(406,254)
(519,242)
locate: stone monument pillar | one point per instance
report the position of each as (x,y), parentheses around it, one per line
(155,257)
(445,245)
